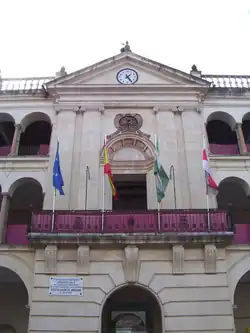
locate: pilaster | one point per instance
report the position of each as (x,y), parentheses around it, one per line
(178,259)
(240,138)
(16,140)
(210,259)
(4,215)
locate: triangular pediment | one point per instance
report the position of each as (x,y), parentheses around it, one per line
(149,73)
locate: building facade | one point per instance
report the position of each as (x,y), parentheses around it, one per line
(177,269)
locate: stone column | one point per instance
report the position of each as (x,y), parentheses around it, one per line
(4,215)
(16,140)
(240,138)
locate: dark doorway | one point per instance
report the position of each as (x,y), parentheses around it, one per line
(132,193)
(131,309)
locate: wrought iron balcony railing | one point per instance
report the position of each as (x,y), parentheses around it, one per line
(167,221)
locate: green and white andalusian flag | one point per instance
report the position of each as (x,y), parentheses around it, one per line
(161,178)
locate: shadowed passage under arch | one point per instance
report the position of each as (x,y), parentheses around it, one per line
(242,304)
(13,302)
(221,134)
(131,309)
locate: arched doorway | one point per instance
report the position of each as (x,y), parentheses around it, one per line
(131,157)
(13,303)
(242,304)
(131,309)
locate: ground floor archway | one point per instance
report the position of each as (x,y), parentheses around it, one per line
(242,304)
(14,302)
(131,309)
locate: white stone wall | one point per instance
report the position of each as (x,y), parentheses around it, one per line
(190,302)
(81,139)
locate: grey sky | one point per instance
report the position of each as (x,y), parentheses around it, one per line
(38,37)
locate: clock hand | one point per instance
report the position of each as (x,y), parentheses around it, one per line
(128,77)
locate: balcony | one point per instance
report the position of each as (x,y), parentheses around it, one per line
(115,227)
(226,150)
(42,150)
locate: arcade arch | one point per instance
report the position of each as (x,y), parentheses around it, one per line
(14,300)
(25,196)
(131,308)
(7,129)
(221,132)
(234,192)
(35,134)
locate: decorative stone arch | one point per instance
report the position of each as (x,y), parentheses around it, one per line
(19,267)
(30,118)
(130,152)
(237,181)
(236,272)
(22,181)
(246,117)
(139,285)
(6,117)
(222,116)
(233,191)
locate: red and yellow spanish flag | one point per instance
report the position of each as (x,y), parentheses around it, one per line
(108,172)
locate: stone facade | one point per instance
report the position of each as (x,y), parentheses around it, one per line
(193,283)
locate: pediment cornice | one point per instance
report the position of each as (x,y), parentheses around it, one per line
(175,76)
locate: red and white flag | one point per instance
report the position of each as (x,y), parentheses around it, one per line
(209,179)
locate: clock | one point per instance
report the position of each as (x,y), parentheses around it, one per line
(127,76)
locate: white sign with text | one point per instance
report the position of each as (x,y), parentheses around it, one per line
(65,286)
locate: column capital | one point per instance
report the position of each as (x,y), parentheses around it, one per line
(18,126)
(156,109)
(177,110)
(93,107)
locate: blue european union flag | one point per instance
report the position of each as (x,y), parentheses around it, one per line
(57,174)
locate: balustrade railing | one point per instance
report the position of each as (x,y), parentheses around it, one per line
(224,149)
(168,221)
(31,150)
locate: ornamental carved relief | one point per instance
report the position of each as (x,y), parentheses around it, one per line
(50,257)
(83,259)
(131,264)
(178,259)
(128,123)
(210,259)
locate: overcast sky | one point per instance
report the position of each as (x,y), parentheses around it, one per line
(39,36)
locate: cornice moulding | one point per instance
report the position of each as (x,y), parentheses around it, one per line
(17,164)
(233,163)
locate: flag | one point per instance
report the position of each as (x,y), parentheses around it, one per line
(209,179)
(161,178)
(108,172)
(57,174)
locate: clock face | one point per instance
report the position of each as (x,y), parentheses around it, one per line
(127,76)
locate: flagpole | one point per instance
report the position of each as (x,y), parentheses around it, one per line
(207,192)
(208,209)
(158,203)
(87,176)
(172,177)
(103,190)
(53,211)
